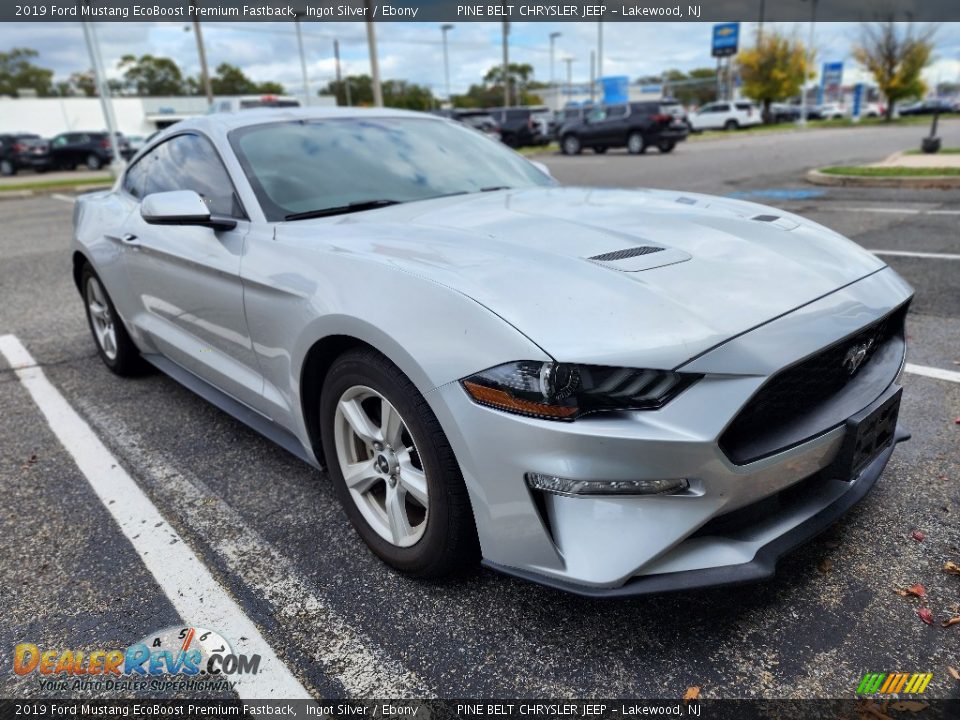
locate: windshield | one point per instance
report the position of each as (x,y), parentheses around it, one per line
(314,165)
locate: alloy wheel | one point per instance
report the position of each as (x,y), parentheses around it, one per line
(101,318)
(381,466)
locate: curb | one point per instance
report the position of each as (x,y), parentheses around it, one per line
(942,182)
(34,192)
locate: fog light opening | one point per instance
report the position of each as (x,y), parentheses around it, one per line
(565,486)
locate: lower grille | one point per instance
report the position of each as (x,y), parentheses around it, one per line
(804,389)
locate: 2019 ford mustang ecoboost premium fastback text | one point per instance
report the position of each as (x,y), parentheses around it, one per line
(610,391)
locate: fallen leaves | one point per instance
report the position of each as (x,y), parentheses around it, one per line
(826,565)
(951,621)
(918,536)
(31,461)
(692,693)
(925,614)
(951,568)
(954,673)
(916,590)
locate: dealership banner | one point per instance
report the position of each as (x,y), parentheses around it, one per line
(498,709)
(725,11)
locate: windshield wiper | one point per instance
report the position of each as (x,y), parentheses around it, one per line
(493,188)
(359,206)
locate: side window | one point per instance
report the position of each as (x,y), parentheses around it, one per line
(136,174)
(189,162)
(709,108)
(743,106)
(616,111)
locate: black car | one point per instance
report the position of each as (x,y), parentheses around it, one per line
(784,112)
(23,150)
(479,120)
(523,126)
(68,150)
(927,107)
(635,126)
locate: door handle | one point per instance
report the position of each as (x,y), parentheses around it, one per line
(130,239)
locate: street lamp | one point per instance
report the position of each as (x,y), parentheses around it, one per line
(803,86)
(569,61)
(553,80)
(303,62)
(444,29)
(374,64)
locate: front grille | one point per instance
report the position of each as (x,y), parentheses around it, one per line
(805,387)
(628,253)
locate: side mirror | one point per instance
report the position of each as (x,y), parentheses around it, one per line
(181,207)
(541,167)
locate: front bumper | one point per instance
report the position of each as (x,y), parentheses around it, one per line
(603,545)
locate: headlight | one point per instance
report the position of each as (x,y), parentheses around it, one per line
(563,391)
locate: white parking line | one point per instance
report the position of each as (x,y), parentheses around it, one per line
(64,198)
(932,372)
(891,210)
(906,253)
(197,596)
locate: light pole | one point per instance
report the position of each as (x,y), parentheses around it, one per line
(569,61)
(803,86)
(599,49)
(90,35)
(444,29)
(553,80)
(506,64)
(374,65)
(204,73)
(303,64)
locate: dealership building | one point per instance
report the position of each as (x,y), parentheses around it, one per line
(134,115)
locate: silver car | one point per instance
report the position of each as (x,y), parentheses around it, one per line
(609,391)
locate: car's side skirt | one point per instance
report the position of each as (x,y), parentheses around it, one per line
(236,409)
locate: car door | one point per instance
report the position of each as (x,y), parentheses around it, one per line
(614,127)
(186,278)
(708,117)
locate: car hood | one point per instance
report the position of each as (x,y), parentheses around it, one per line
(720,268)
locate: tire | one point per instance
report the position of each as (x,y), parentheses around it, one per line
(636,145)
(571,145)
(666,146)
(7,168)
(600,149)
(731,125)
(118,353)
(436,536)
(94,162)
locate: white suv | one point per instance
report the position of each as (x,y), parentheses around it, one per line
(725,116)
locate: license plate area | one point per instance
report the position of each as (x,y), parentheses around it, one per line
(868,434)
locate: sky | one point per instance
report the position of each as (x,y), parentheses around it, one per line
(414,51)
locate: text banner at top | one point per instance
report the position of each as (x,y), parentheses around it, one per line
(448,11)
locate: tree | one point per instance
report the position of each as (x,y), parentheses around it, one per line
(694,88)
(231,80)
(83,82)
(396,93)
(520,77)
(149,75)
(18,73)
(895,59)
(775,68)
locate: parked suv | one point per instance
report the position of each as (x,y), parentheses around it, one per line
(635,126)
(23,150)
(522,126)
(92,149)
(725,116)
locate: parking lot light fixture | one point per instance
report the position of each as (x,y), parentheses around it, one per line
(444,29)
(553,77)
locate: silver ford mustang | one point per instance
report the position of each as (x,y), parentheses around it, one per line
(612,392)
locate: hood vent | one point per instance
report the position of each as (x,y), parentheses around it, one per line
(777,221)
(626,253)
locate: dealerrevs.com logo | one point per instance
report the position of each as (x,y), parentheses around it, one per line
(179,658)
(894,683)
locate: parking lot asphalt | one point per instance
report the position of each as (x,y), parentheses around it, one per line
(270,532)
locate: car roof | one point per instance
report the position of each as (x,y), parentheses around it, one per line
(225,122)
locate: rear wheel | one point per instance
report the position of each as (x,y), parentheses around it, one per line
(393,469)
(666,146)
(636,145)
(571,145)
(94,162)
(114,345)
(731,125)
(7,168)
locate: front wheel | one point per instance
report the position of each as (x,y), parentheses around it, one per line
(7,168)
(636,145)
(393,469)
(94,162)
(571,145)
(114,345)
